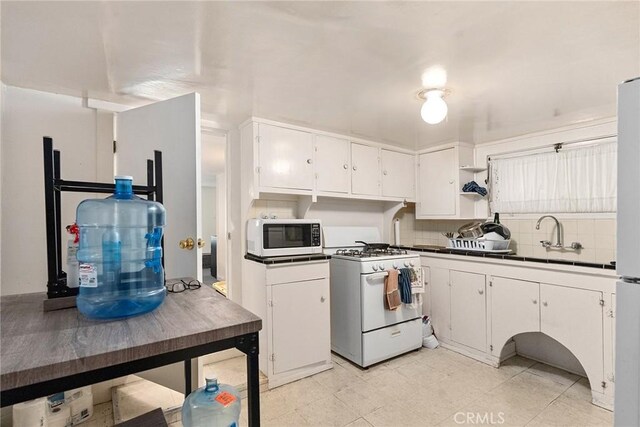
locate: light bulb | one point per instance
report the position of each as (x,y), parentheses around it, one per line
(434,109)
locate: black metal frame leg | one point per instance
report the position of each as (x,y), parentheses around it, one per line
(248,344)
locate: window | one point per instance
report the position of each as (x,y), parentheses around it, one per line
(580,179)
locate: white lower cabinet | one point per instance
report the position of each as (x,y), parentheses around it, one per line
(440,298)
(514,310)
(574,317)
(293,302)
(468,309)
(477,312)
(300,330)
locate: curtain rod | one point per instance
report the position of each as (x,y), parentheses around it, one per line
(557,147)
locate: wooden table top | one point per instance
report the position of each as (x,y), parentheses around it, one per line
(37,346)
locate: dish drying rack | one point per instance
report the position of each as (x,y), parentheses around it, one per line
(479,245)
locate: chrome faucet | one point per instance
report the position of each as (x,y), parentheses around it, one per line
(547,243)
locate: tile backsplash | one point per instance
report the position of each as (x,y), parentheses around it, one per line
(280,208)
(598,236)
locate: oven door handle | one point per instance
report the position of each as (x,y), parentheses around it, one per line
(372,277)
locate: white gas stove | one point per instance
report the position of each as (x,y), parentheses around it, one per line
(362,329)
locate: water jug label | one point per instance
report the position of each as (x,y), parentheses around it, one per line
(226,398)
(88,276)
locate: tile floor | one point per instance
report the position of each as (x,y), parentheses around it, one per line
(429,388)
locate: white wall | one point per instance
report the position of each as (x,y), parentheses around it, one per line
(209,214)
(84,138)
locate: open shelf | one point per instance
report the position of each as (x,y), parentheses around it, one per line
(470,193)
(471,168)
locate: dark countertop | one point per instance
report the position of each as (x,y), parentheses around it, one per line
(610,266)
(287,259)
(38,346)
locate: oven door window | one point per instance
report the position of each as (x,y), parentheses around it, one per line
(287,236)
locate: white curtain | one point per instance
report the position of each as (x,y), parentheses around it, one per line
(581,179)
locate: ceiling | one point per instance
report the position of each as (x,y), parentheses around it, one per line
(349,67)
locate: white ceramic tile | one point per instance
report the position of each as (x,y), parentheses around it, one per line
(327,412)
(395,414)
(337,378)
(517,364)
(557,375)
(363,399)
(292,419)
(604,255)
(605,227)
(559,413)
(360,422)
(102,416)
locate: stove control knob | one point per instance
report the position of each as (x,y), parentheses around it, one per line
(395,265)
(411,263)
(375,267)
(406,263)
(381,267)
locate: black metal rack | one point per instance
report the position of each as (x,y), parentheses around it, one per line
(54,185)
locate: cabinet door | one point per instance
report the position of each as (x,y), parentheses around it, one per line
(300,324)
(574,318)
(398,174)
(468,309)
(440,302)
(514,309)
(332,164)
(437,183)
(426,300)
(365,170)
(285,158)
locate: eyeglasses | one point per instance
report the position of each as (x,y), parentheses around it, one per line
(182,286)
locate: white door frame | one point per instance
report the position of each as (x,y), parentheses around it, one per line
(212,128)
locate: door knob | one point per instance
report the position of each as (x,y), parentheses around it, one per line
(200,243)
(481,291)
(355,168)
(187,243)
(309,161)
(346,166)
(322,299)
(535,301)
(544,303)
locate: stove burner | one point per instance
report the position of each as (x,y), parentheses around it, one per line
(370,252)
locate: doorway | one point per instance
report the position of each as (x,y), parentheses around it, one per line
(214,208)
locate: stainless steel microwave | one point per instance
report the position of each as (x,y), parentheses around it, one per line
(280,237)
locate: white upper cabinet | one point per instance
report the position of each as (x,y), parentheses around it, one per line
(332,164)
(365,167)
(398,174)
(437,183)
(285,158)
(441,175)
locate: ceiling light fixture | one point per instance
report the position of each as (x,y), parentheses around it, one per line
(434,109)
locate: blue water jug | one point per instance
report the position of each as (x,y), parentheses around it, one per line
(214,405)
(120,254)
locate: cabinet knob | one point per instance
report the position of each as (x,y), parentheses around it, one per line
(346,166)
(451,181)
(322,299)
(544,303)
(355,168)
(535,301)
(481,291)
(309,161)
(384,172)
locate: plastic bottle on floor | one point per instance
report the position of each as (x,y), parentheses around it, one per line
(212,405)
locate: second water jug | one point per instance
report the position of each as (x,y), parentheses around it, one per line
(120,254)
